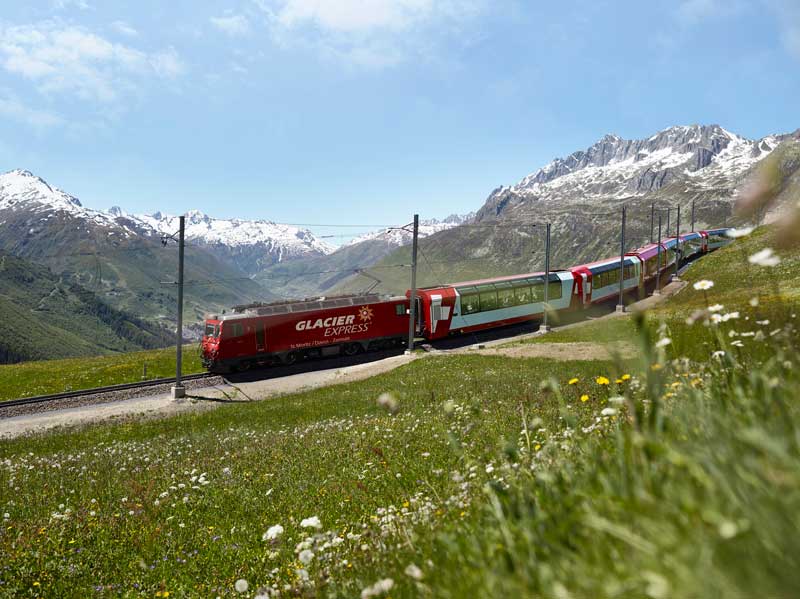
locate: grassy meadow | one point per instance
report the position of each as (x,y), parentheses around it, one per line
(672,475)
(70,374)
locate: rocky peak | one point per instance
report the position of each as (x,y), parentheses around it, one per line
(23,187)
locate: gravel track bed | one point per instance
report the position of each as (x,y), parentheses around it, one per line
(107,397)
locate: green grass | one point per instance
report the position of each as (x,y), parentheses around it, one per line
(331,453)
(54,376)
(493,477)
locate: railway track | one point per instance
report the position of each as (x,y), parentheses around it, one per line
(41,399)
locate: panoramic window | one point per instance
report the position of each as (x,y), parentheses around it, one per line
(470,303)
(506,298)
(488,299)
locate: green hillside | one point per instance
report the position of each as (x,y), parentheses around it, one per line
(674,474)
(46,316)
(129,274)
(304,277)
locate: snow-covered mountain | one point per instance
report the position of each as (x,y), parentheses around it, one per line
(108,253)
(23,192)
(252,245)
(397,237)
(699,168)
(691,159)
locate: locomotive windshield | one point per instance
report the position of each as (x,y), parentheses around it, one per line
(212,330)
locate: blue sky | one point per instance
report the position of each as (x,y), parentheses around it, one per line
(365,111)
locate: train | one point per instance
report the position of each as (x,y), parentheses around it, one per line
(285,332)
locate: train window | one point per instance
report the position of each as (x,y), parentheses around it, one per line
(522,295)
(488,300)
(212,330)
(235,329)
(554,291)
(470,303)
(400,309)
(506,297)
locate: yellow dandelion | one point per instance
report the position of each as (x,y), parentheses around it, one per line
(601,380)
(696,382)
(625,377)
(584,397)
(676,384)
(573,381)
(656,366)
(618,381)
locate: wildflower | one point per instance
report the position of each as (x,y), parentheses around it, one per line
(379,588)
(754,302)
(413,571)
(736,233)
(388,402)
(273,532)
(737,343)
(718,354)
(306,556)
(616,399)
(241,586)
(730,316)
(663,342)
(715,308)
(601,380)
(312,522)
(703,285)
(716,318)
(765,257)
(584,397)
(728,529)
(609,412)
(625,377)
(656,366)
(572,381)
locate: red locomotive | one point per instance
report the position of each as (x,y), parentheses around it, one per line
(285,332)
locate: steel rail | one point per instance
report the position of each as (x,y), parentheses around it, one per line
(24,401)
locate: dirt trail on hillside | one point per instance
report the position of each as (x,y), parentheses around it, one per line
(565,351)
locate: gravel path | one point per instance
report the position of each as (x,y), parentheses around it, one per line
(155,402)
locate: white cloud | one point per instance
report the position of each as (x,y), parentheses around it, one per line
(63,58)
(123,28)
(232,25)
(12,108)
(374,34)
(65,4)
(167,64)
(353,15)
(692,12)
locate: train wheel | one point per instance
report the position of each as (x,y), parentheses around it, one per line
(290,358)
(351,349)
(244,366)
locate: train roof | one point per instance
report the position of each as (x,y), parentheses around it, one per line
(614,260)
(493,280)
(303,305)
